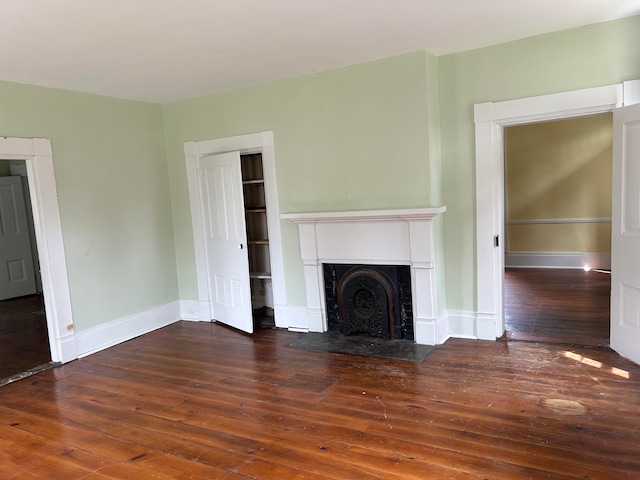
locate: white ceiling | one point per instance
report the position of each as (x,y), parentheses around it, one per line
(164,50)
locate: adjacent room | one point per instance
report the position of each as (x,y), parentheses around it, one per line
(558,230)
(341,240)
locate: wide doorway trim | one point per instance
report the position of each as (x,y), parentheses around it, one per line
(38,157)
(490,120)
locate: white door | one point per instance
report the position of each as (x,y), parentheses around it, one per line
(226,240)
(17,276)
(625,226)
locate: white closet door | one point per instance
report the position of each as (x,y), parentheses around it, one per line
(226,240)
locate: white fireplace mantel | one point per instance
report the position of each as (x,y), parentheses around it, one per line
(372,237)
(365,215)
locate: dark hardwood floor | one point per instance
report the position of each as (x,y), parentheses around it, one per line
(557,306)
(201,401)
(24,341)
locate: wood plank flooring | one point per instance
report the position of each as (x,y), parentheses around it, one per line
(557,306)
(24,341)
(201,401)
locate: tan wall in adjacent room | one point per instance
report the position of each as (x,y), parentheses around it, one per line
(559,170)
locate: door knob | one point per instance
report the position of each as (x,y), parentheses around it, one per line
(241,246)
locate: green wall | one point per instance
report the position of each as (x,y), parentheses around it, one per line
(346,139)
(394,133)
(590,56)
(113,192)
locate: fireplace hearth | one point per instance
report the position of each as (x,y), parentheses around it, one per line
(372,300)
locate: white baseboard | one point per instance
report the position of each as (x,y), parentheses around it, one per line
(558,260)
(442,328)
(192,310)
(315,320)
(68,348)
(292,317)
(431,331)
(462,324)
(453,324)
(425,332)
(125,328)
(477,326)
(486,326)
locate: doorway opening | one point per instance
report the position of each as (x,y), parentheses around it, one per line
(38,158)
(24,336)
(490,120)
(557,225)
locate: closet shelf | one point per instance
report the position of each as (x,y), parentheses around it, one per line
(260,275)
(257,230)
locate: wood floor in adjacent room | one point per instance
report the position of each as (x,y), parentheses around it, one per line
(202,401)
(24,342)
(568,306)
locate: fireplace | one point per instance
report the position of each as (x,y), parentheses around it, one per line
(373,300)
(372,240)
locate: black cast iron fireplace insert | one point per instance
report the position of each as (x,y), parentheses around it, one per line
(373,300)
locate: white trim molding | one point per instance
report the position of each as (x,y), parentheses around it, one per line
(193,310)
(122,329)
(558,221)
(263,143)
(38,157)
(375,237)
(296,318)
(462,324)
(580,260)
(490,120)
(631,92)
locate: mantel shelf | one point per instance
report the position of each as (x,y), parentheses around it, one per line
(425,213)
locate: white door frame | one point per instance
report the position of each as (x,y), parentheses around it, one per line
(245,144)
(38,157)
(490,120)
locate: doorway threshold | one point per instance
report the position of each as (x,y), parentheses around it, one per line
(28,373)
(513,337)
